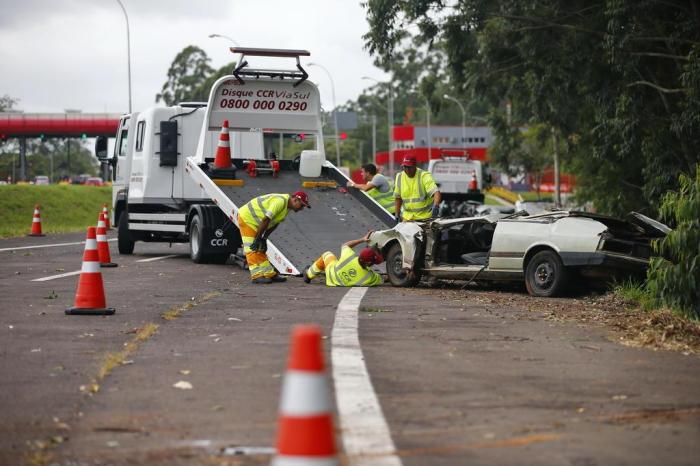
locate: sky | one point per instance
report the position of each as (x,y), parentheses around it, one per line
(72,54)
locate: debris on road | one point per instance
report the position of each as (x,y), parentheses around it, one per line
(183,385)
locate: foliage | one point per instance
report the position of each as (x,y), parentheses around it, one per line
(63,208)
(186,76)
(674,278)
(7,103)
(619,80)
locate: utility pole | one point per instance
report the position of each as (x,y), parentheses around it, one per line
(22,159)
(557,190)
(374,139)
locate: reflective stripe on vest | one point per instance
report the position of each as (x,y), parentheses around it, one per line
(415,201)
(253,212)
(386,199)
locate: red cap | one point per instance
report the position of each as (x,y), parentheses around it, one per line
(370,256)
(303,197)
(409,161)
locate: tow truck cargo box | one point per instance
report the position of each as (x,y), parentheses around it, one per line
(165,189)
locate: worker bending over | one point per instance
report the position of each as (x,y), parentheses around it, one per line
(256,221)
(351,269)
(416,192)
(377,186)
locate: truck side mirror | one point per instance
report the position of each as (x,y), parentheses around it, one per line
(101,148)
(168,143)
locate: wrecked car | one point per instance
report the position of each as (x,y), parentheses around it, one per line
(548,251)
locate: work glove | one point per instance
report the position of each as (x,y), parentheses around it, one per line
(397,219)
(436,211)
(256,244)
(263,245)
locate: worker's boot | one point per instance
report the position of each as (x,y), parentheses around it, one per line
(278,278)
(307,279)
(262,280)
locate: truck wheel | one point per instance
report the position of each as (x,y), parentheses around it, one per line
(125,244)
(196,241)
(398,276)
(545,275)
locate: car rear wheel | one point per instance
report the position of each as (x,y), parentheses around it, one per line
(545,275)
(398,276)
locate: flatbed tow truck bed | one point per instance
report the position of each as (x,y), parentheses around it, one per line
(334,218)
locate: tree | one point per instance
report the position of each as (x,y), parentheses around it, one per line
(618,80)
(186,76)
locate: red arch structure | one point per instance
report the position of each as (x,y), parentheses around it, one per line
(54,125)
(60,125)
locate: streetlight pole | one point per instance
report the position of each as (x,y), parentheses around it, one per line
(374,139)
(464,118)
(211,36)
(390,120)
(335,112)
(128,49)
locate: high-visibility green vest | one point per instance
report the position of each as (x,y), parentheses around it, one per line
(347,271)
(254,212)
(416,194)
(386,199)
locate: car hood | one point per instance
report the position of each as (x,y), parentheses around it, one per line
(652,227)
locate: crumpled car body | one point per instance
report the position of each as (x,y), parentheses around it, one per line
(547,251)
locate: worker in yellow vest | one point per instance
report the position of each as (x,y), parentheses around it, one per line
(351,269)
(256,221)
(377,186)
(415,192)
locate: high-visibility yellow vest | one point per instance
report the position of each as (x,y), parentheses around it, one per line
(416,194)
(347,271)
(386,199)
(255,211)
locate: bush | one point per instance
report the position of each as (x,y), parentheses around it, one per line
(674,277)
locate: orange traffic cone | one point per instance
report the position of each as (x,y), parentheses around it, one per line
(90,295)
(102,244)
(223,149)
(305,429)
(473,186)
(105,211)
(36,222)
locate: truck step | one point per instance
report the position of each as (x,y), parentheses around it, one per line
(319,184)
(220,182)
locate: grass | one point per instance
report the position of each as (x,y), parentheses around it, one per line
(63,208)
(634,292)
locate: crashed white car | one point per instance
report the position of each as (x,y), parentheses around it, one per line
(548,251)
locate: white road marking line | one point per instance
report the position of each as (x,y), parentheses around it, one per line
(365,433)
(151,259)
(47,245)
(53,277)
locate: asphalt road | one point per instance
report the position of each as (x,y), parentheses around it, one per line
(459,381)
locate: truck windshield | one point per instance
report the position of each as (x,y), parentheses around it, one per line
(288,145)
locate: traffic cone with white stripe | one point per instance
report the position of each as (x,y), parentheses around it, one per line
(305,430)
(223,149)
(102,244)
(105,211)
(90,294)
(36,222)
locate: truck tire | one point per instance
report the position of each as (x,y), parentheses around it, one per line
(125,243)
(197,241)
(545,275)
(398,276)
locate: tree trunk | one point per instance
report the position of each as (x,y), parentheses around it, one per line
(557,192)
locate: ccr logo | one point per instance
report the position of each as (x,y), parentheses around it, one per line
(219,241)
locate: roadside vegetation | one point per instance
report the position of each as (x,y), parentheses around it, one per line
(64,208)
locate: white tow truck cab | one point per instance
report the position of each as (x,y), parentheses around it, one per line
(167,190)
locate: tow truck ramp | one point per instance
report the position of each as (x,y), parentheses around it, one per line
(336,215)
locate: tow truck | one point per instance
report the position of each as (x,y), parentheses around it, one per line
(164,190)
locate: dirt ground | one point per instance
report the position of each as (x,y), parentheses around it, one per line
(627,322)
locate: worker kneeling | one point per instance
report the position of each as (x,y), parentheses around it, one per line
(256,221)
(351,269)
